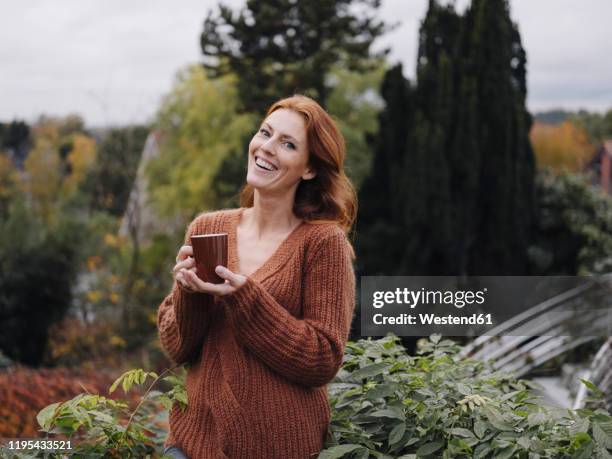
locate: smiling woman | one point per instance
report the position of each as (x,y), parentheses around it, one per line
(263,344)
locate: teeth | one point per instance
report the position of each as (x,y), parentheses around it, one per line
(265,164)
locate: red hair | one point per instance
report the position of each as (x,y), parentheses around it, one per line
(330,195)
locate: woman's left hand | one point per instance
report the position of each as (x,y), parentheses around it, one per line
(232,282)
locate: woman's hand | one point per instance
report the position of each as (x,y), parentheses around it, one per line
(185,274)
(232,282)
(184,261)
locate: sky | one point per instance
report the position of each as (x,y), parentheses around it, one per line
(112,61)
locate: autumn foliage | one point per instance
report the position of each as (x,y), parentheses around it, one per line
(24,392)
(561,147)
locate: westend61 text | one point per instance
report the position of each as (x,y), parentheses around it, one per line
(433,319)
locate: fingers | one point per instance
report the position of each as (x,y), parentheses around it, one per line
(188,263)
(184,252)
(197,284)
(235,280)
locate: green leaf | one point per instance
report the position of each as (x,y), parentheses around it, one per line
(480,428)
(601,436)
(397,433)
(387,414)
(382,390)
(45,416)
(596,390)
(370,370)
(482,451)
(429,448)
(339,451)
(463,389)
(461,432)
(505,453)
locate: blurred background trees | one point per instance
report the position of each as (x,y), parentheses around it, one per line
(443,164)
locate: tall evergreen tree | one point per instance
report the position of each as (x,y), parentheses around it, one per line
(492,138)
(380,224)
(467,170)
(280,47)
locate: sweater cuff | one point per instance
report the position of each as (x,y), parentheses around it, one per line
(239,304)
(190,309)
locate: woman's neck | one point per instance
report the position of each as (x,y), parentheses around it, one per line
(270,216)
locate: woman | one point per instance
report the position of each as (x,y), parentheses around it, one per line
(263,345)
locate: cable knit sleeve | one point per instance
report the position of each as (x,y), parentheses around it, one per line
(183,318)
(307,351)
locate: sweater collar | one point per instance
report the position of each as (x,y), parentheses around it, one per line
(276,261)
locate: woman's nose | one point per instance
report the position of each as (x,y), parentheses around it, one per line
(268,146)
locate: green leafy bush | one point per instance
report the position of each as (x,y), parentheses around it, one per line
(387,404)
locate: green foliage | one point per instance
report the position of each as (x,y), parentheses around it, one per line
(279,48)
(37,268)
(573,228)
(354,104)
(199,127)
(110,182)
(387,404)
(102,427)
(597,125)
(453,167)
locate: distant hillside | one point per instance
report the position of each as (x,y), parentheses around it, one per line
(553,116)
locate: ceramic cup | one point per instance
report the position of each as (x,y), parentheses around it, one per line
(209,251)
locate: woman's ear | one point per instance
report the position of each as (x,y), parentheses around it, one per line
(309,174)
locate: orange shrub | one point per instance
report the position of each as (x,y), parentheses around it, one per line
(561,147)
(24,392)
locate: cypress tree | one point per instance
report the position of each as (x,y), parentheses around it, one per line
(464,190)
(380,224)
(492,153)
(427,192)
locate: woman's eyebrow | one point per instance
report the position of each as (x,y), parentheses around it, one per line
(286,136)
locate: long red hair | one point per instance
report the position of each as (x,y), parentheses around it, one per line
(330,195)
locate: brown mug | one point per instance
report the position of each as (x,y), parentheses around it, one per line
(209,251)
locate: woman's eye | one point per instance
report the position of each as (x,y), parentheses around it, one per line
(264,132)
(290,145)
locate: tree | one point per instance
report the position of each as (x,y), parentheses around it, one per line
(37,268)
(16,140)
(111,178)
(282,47)
(460,169)
(199,128)
(380,229)
(597,126)
(561,147)
(492,99)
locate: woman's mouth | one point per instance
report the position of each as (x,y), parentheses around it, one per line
(264,166)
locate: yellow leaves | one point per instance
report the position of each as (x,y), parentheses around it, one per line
(93,263)
(94,296)
(152,318)
(561,147)
(117,341)
(114,297)
(42,173)
(201,126)
(80,159)
(111,240)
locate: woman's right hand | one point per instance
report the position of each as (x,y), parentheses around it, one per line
(184,260)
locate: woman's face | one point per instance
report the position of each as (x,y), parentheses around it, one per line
(278,153)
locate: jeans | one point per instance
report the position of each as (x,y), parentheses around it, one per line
(175,452)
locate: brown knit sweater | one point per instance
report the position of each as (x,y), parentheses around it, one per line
(261,356)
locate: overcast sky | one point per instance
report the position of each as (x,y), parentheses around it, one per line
(112,60)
